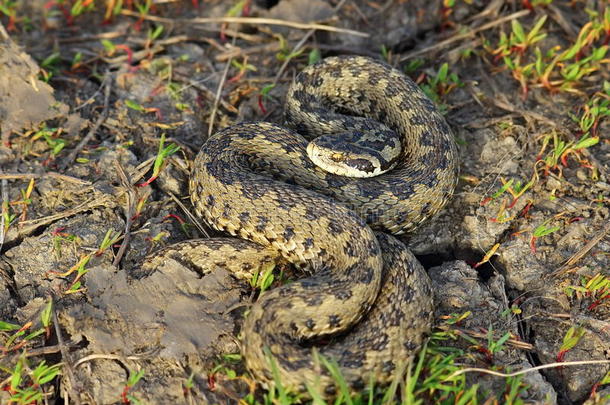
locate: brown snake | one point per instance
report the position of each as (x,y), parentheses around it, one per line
(366,302)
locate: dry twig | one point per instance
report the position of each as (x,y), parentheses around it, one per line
(528,370)
(33,224)
(237,51)
(296,48)
(247,20)
(201,87)
(218,94)
(130,203)
(582,252)
(67,365)
(190,215)
(4,202)
(136,56)
(58,176)
(93,37)
(104,356)
(513,342)
(459,37)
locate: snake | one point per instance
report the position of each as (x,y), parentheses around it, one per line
(364,304)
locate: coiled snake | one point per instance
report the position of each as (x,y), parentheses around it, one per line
(367,303)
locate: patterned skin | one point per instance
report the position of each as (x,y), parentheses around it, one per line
(366,301)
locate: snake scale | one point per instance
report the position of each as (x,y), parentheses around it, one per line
(365,301)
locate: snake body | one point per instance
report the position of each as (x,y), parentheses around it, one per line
(366,302)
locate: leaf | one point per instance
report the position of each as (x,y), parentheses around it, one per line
(275,371)
(572,72)
(598,282)
(134,378)
(334,370)
(163,153)
(77,8)
(572,338)
(502,189)
(542,230)
(234,357)
(108,46)
(600,52)
(532,34)
(156,32)
(78,57)
(75,286)
(50,60)
(503,339)
(314,56)
(442,72)
(488,255)
(47,312)
(265,90)
(570,53)
(518,31)
(16,376)
(267,280)
(8,326)
(413,65)
(42,374)
(585,143)
(134,105)
(59,145)
(237,9)
(34,334)
(6,11)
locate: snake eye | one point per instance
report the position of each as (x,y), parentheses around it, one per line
(337,157)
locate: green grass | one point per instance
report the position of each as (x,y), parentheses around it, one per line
(433,376)
(596,289)
(26,381)
(440,84)
(553,67)
(27,385)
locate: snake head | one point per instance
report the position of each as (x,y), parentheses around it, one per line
(356,153)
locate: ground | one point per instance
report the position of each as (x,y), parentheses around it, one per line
(103,106)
